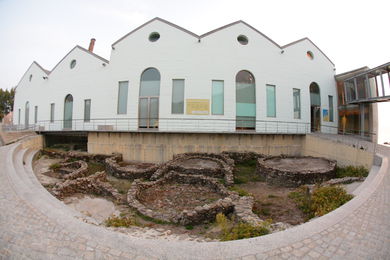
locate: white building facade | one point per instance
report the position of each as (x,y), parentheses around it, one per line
(162,77)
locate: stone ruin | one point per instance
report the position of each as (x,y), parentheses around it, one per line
(206,164)
(72,170)
(196,215)
(131,171)
(203,173)
(95,184)
(290,171)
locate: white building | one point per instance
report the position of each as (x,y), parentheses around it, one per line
(164,77)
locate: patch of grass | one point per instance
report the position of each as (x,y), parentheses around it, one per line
(189,227)
(351,171)
(94,167)
(322,201)
(55,166)
(246,172)
(121,222)
(122,185)
(240,191)
(271,196)
(232,231)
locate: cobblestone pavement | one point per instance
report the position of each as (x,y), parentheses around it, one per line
(34,225)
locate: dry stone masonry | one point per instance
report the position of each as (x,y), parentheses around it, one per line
(129,172)
(295,171)
(207,164)
(197,215)
(95,184)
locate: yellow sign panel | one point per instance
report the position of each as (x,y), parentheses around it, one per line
(198,106)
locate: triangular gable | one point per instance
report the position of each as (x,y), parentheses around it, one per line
(307,39)
(246,24)
(47,72)
(160,20)
(83,49)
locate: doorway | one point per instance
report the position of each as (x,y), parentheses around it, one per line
(149,94)
(68,112)
(315,107)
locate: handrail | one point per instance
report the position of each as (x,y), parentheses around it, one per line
(181,124)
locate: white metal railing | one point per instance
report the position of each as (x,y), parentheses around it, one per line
(167,125)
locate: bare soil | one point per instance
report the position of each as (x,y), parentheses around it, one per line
(298,164)
(273,203)
(198,163)
(177,197)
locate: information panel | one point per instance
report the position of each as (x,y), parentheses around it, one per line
(198,106)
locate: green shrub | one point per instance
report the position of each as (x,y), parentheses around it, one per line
(322,201)
(240,191)
(232,231)
(328,198)
(120,222)
(55,166)
(351,171)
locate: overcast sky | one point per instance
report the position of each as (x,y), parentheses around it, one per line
(351,33)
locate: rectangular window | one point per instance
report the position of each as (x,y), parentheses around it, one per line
(52,112)
(19,116)
(178,96)
(271,101)
(297,103)
(330,108)
(122,97)
(217,103)
(35,114)
(87,110)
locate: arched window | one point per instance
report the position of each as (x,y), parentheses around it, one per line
(245,100)
(149,94)
(315,107)
(27,115)
(68,112)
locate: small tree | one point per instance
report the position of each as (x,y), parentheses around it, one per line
(6,101)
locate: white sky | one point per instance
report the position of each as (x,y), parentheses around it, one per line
(351,33)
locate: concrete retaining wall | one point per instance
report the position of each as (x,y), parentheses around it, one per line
(343,152)
(160,147)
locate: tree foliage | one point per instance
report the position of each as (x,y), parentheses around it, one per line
(6,101)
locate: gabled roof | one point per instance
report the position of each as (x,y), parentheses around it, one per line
(38,65)
(83,49)
(237,22)
(307,39)
(219,29)
(156,19)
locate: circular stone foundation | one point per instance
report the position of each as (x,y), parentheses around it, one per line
(295,171)
(181,198)
(206,164)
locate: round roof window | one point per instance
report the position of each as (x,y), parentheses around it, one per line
(242,39)
(73,64)
(154,36)
(310,55)
(30,78)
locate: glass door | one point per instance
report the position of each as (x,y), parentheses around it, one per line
(148,112)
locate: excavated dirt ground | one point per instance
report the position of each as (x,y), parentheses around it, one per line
(273,203)
(174,197)
(298,164)
(198,163)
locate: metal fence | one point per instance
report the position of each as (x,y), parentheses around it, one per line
(167,125)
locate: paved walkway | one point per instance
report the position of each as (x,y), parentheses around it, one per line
(34,225)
